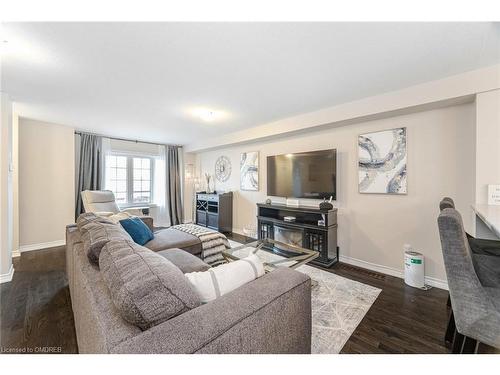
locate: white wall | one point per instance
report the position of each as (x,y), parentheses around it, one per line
(487,143)
(6,196)
(373,228)
(46,183)
(15,184)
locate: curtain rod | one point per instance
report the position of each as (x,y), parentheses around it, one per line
(125,139)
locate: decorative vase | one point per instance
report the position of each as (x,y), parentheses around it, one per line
(208,178)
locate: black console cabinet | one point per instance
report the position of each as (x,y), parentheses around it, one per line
(215,211)
(313,229)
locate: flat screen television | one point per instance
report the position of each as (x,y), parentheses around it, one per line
(303,175)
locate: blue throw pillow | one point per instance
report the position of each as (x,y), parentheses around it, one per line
(139,231)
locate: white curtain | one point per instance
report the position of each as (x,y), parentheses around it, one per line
(160,191)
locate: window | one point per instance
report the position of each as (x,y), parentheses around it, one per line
(130,178)
(142,180)
(116,177)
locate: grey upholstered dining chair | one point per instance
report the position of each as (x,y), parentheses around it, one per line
(475,308)
(446,202)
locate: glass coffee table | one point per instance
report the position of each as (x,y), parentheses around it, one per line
(292,256)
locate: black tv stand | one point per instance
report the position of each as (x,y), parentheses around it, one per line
(307,230)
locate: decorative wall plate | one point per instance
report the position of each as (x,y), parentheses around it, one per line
(222,168)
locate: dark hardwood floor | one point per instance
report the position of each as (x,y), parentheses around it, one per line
(36,313)
(402,319)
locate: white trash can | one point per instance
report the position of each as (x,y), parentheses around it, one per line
(414,269)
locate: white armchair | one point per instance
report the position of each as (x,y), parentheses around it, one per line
(103,202)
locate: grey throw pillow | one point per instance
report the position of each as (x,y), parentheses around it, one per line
(146,288)
(96,232)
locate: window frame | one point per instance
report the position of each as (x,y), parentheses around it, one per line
(130,178)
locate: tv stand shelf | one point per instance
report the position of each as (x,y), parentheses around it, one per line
(306,231)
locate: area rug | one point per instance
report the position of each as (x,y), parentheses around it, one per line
(338,306)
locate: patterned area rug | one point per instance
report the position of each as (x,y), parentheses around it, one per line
(338,306)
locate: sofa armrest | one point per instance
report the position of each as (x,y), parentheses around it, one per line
(73,237)
(269,315)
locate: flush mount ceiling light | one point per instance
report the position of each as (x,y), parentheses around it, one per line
(207,114)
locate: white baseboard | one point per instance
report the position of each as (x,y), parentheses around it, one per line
(7,277)
(40,246)
(16,253)
(372,266)
(436,283)
(238,231)
(432,281)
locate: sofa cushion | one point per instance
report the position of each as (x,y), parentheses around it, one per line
(98,324)
(89,217)
(139,231)
(96,232)
(170,238)
(146,288)
(184,260)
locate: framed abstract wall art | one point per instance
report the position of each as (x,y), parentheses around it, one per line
(382,159)
(249,171)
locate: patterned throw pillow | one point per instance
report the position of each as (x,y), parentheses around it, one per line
(217,281)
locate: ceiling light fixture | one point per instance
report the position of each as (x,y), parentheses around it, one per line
(207,114)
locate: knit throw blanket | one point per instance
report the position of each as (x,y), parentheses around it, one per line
(213,243)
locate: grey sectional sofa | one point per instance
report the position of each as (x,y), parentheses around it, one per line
(269,315)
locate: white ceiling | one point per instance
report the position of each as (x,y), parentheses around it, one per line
(141,80)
